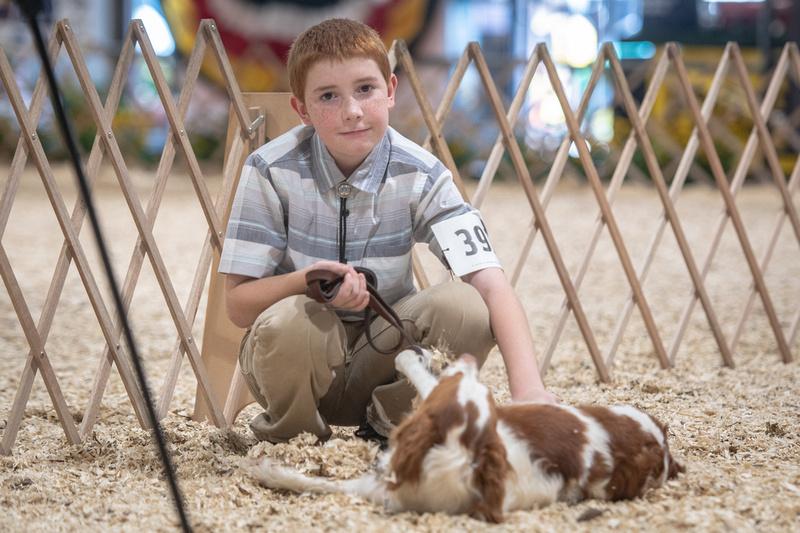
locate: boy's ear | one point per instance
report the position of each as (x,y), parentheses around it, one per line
(300,109)
(392,86)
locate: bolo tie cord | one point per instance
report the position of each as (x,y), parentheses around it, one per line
(343,191)
(343,212)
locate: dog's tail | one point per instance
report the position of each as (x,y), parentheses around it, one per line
(276,476)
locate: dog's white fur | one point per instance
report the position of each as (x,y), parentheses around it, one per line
(460,453)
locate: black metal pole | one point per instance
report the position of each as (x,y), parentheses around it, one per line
(31,8)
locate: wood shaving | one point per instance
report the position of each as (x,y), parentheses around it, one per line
(736,430)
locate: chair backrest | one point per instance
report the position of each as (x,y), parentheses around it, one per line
(221,338)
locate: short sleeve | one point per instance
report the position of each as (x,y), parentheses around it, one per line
(440,200)
(255,240)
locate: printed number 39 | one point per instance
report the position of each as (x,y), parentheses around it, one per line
(469,242)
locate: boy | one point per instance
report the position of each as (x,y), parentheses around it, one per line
(345,189)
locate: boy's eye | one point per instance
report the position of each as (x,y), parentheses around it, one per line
(326,97)
(366,88)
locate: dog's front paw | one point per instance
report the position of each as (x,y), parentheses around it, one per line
(409,358)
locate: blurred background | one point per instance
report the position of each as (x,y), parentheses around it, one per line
(257,34)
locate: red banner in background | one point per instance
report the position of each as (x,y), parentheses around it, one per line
(257,33)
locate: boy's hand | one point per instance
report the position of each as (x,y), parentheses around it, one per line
(538,396)
(353,294)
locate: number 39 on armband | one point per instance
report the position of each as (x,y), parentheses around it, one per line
(465,243)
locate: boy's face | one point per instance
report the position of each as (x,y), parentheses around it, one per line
(347,103)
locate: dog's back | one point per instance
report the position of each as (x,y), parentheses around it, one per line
(573,453)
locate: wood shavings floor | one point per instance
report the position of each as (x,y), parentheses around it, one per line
(736,430)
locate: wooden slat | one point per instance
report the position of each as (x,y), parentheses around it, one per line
(209,31)
(42,362)
(179,133)
(493,162)
(248,129)
(449,95)
(437,139)
(37,356)
(419,271)
(779,73)
(441,113)
(669,209)
(235,153)
(60,210)
(556,168)
(21,152)
(138,255)
(722,184)
(739,175)
(416,264)
(135,207)
(766,257)
(678,181)
(698,174)
(112,101)
(767,147)
(794,328)
(608,216)
(621,170)
(206,32)
(541,220)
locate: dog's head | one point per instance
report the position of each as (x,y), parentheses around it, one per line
(457,419)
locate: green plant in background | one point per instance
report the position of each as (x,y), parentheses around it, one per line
(140,125)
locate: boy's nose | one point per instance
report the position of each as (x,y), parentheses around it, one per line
(352,109)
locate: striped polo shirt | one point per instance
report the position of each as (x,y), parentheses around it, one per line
(285,214)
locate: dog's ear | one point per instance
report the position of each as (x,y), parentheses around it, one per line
(674,468)
(491,471)
(632,470)
(414,437)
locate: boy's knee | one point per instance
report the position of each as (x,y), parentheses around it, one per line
(294,313)
(456,296)
(287,359)
(293,332)
(294,317)
(461,306)
(457,318)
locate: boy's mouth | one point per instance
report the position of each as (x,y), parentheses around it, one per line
(355,132)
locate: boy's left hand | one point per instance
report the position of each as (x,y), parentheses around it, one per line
(353,294)
(537,396)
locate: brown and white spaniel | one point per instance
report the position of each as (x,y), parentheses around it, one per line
(459,452)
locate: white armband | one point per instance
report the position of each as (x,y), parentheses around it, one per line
(465,243)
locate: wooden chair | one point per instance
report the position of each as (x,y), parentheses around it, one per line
(221,338)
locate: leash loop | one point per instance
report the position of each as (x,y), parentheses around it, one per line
(323,286)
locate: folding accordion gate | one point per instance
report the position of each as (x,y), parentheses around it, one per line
(250,132)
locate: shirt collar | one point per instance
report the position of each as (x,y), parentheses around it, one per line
(367,177)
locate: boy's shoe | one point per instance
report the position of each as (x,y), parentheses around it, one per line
(259,426)
(368,433)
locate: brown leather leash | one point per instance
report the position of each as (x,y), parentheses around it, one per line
(323,286)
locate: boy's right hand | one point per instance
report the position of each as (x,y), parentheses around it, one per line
(353,294)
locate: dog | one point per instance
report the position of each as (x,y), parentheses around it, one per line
(460,453)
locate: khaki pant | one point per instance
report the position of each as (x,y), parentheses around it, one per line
(308,369)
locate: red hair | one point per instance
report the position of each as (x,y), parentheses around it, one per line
(334,40)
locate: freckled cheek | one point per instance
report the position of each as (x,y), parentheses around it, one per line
(374,107)
(325,116)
